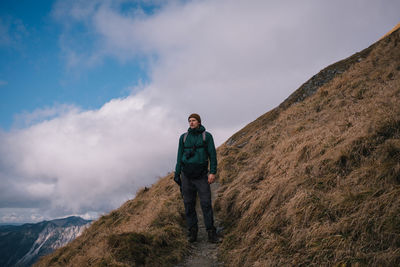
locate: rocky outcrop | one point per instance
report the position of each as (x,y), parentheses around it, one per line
(24,245)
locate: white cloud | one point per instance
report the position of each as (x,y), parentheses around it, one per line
(26,119)
(10,218)
(210,51)
(228,61)
(77,159)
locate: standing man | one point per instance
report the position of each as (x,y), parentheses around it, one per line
(196,150)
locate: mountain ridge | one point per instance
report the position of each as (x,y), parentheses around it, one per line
(22,245)
(303,167)
(315,181)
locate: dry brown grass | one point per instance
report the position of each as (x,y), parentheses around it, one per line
(145,231)
(392,30)
(317,181)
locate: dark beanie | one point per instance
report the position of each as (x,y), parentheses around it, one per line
(195,116)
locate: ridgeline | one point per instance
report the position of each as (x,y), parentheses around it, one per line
(315,181)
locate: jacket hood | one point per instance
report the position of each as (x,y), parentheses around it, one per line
(197,130)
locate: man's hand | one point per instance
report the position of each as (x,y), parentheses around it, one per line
(177,179)
(211,178)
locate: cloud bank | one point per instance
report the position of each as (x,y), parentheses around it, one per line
(228,61)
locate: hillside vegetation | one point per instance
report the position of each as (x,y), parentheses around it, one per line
(315,181)
(148,230)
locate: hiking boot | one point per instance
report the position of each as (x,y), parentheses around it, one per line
(212,236)
(192,234)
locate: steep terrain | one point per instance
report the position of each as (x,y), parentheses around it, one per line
(316,181)
(147,230)
(23,245)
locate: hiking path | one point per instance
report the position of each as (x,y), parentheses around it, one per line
(203,253)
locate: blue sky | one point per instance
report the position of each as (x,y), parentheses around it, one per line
(33,70)
(94,94)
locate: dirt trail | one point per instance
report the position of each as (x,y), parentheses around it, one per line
(203,253)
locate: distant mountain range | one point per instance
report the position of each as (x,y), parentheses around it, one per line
(23,245)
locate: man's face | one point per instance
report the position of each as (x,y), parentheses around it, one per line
(193,123)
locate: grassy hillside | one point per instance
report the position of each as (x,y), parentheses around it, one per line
(148,230)
(315,181)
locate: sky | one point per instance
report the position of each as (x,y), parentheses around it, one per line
(94,94)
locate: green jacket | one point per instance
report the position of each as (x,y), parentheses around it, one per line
(202,154)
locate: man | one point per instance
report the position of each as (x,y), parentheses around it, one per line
(196,149)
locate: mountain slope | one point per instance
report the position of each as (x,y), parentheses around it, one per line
(315,181)
(147,230)
(23,245)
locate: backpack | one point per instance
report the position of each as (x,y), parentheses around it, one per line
(195,147)
(194,170)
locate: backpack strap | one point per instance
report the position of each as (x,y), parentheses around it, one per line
(203,134)
(205,143)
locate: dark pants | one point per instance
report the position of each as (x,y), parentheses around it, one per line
(190,188)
